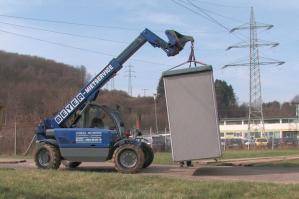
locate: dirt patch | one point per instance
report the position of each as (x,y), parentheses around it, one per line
(199,172)
(8,161)
(251,161)
(254,174)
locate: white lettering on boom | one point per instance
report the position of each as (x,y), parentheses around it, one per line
(64,113)
(98,79)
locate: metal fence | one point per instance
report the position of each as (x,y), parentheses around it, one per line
(15,138)
(260,143)
(159,142)
(162,142)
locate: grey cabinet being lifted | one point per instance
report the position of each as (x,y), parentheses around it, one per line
(192,113)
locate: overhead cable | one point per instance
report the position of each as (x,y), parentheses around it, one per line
(205,15)
(220,4)
(67,22)
(63,33)
(81,24)
(75,47)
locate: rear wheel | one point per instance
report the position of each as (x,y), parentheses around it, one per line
(69,164)
(47,157)
(148,155)
(128,158)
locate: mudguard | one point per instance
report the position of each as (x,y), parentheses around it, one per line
(122,142)
(52,142)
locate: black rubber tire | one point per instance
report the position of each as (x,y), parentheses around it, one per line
(148,155)
(69,164)
(139,154)
(53,155)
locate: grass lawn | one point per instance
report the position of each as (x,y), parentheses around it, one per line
(231,154)
(33,184)
(165,158)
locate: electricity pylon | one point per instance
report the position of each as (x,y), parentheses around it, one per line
(255,113)
(130,74)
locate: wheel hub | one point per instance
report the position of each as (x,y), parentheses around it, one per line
(44,157)
(128,158)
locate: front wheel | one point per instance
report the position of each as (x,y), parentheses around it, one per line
(47,157)
(128,158)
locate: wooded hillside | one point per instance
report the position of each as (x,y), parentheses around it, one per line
(33,88)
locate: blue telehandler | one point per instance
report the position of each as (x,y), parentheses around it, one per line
(83,131)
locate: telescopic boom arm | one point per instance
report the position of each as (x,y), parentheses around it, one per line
(90,91)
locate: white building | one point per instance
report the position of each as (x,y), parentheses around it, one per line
(279,127)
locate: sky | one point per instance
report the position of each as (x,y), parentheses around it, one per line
(127,18)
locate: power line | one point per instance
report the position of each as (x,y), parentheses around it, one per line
(215,20)
(76,35)
(63,33)
(205,15)
(214,13)
(221,15)
(202,15)
(55,43)
(76,48)
(220,5)
(82,24)
(67,22)
(71,34)
(130,74)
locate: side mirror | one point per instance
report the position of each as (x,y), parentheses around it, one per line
(176,42)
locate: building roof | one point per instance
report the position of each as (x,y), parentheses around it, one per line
(246,118)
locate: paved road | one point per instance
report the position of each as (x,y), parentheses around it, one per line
(205,172)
